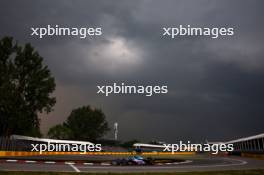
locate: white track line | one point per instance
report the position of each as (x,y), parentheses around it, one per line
(74,167)
(88,163)
(241,162)
(11,160)
(30,161)
(49,162)
(184,162)
(69,163)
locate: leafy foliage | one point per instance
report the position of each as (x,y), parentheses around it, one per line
(84,123)
(60,132)
(25,88)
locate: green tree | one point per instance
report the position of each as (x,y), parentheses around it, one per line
(130,143)
(25,88)
(60,132)
(87,124)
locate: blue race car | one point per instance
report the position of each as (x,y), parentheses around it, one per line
(132,160)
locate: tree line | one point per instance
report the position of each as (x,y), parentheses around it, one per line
(26,87)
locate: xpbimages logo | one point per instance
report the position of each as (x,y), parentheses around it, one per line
(181,30)
(83,32)
(65,147)
(187,147)
(131,89)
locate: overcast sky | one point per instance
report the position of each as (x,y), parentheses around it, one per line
(216,86)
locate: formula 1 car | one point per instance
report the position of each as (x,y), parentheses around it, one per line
(133,160)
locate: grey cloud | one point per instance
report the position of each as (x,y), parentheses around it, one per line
(214,84)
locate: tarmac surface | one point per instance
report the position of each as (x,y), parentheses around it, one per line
(206,163)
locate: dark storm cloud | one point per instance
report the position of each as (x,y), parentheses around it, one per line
(215,85)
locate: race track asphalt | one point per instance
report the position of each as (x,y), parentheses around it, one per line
(206,163)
